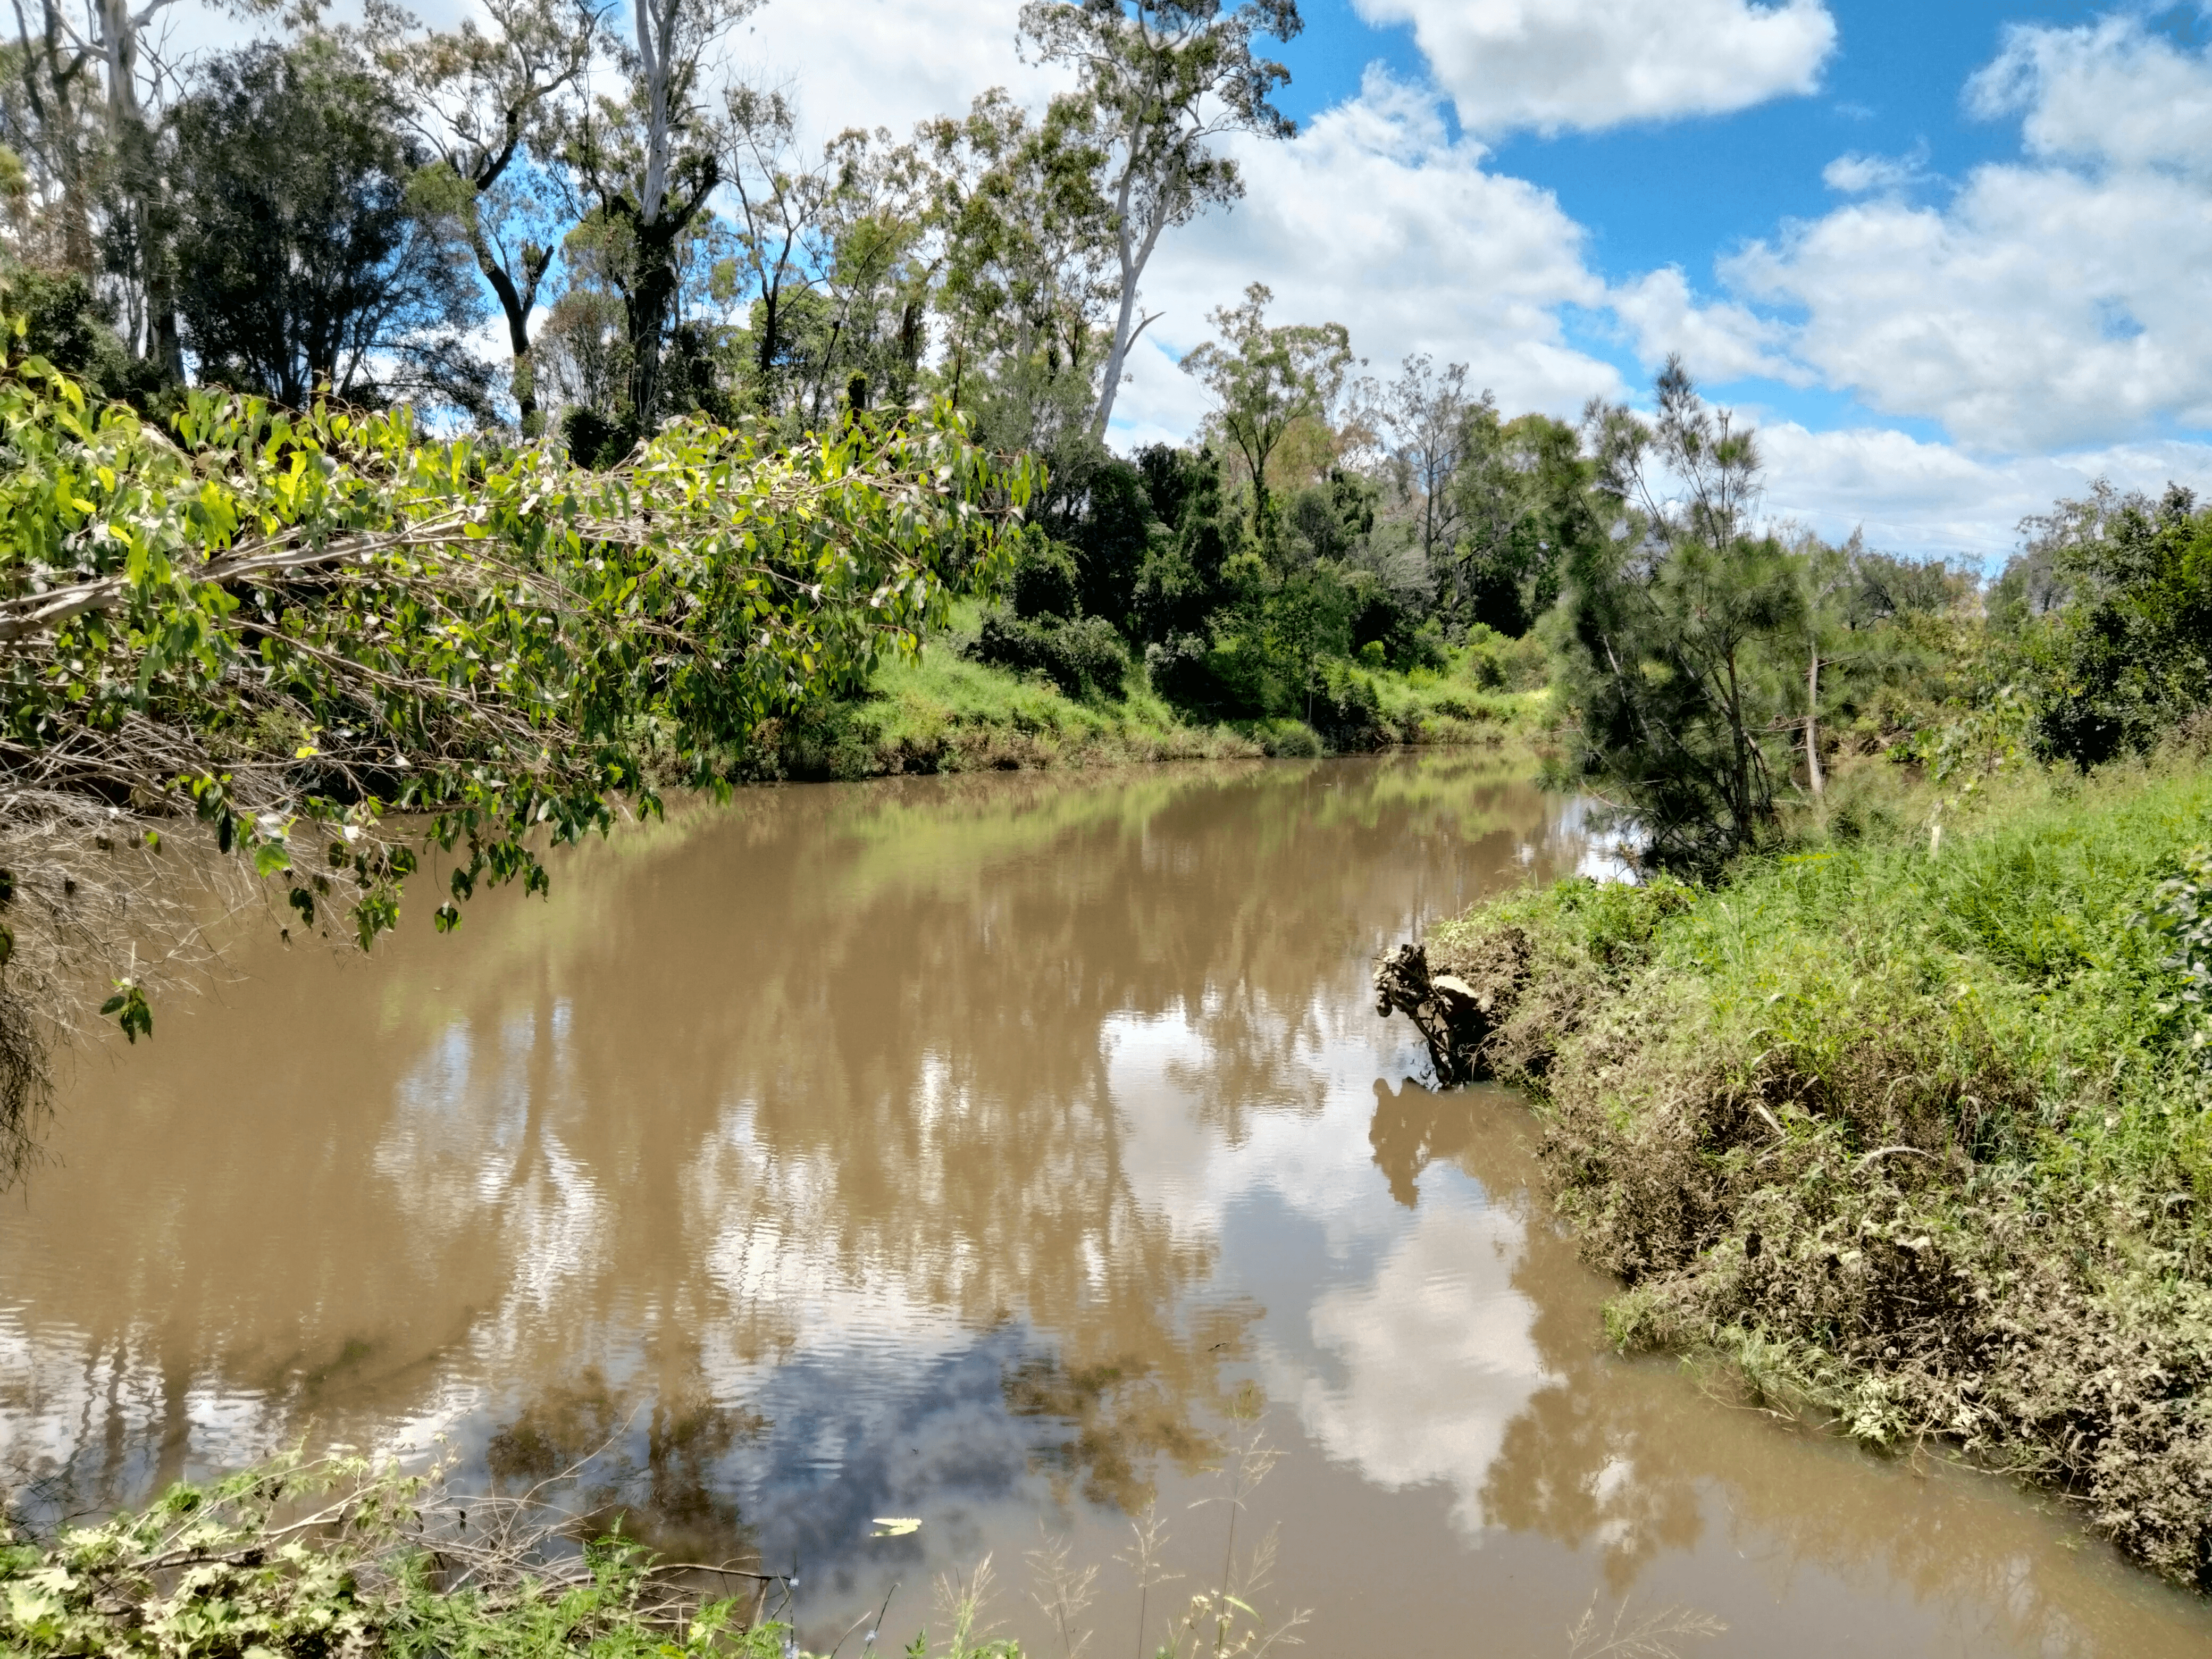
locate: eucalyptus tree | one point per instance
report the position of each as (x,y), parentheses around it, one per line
(300,261)
(782,195)
(1162,81)
(92,197)
(881,269)
(491,103)
(1027,255)
(649,162)
(54,131)
(1424,417)
(1266,379)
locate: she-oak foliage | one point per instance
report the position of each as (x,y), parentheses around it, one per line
(1673,630)
(290,625)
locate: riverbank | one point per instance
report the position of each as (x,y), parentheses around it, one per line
(1915,1130)
(342,1556)
(940,711)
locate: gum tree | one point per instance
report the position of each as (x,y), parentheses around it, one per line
(490,102)
(649,162)
(1265,379)
(1160,81)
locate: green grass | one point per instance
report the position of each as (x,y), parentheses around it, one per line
(1428,706)
(939,712)
(1921,1133)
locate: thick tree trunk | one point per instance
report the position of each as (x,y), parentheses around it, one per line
(648,318)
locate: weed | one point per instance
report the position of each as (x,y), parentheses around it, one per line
(1917,1131)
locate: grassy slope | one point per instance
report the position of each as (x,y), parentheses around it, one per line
(941,712)
(1919,1138)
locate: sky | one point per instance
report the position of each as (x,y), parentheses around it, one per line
(1951,257)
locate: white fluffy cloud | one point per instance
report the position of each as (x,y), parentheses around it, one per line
(1860,175)
(2041,307)
(1722,342)
(2064,301)
(1554,64)
(1375,217)
(1915,495)
(2110,92)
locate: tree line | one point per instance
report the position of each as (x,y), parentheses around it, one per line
(337,213)
(344,206)
(347,208)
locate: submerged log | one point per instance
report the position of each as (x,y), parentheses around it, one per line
(1445,1009)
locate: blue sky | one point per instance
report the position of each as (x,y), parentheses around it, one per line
(1695,192)
(1954,258)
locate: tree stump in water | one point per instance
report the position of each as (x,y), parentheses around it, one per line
(1443,1007)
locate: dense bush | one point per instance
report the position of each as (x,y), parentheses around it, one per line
(2128,654)
(1082,658)
(1044,581)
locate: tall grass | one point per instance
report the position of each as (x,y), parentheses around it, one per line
(1919,1129)
(941,712)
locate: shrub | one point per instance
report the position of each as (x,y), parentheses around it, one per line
(1290,739)
(594,441)
(63,322)
(1497,663)
(1045,581)
(1346,708)
(2128,655)
(1082,658)
(1180,671)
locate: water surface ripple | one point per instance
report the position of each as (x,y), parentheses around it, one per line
(996,1151)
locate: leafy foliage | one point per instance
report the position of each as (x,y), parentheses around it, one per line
(1671,630)
(2180,915)
(1081,657)
(304,265)
(2128,652)
(339,1557)
(1265,379)
(290,625)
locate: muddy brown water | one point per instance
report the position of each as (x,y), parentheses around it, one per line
(1000,1152)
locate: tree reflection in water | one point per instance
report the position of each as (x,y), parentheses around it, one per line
(960,1148)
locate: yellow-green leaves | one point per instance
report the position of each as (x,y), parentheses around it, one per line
(324,615)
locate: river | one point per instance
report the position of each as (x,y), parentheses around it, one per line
(1009,1154)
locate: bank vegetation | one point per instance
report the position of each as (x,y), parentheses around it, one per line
(1888,1074)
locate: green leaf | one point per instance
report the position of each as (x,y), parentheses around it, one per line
(128,1005)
